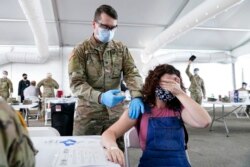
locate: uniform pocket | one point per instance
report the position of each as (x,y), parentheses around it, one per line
(93,66)
(4,85)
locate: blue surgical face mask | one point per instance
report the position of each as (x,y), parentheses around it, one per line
(105,35)
(163,94)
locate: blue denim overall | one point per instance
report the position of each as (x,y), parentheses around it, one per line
(165,145)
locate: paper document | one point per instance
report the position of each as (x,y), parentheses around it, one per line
(80,156)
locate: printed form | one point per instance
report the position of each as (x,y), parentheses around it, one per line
(84,153)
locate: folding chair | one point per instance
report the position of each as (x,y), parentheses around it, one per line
(131,140)
(35,110)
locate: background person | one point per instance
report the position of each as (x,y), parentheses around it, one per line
(6,87)
(243,87)
(197,87)
(95,69)
(32,91)
(161,128)
(49,85)
(24,83)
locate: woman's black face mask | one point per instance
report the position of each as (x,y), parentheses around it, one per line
(163,94)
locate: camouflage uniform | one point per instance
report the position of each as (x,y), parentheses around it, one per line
(196,87)
(49,85)
(5,88)
(93,69)
(16,149)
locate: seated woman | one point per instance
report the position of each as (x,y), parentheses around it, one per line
(161,127)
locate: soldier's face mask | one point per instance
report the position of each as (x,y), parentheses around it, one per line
(163,95)
(196,72)
(105,35)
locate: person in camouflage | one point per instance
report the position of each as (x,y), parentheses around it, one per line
(6,87)
(16,148)
(49,84)
(197,87)
(95,68)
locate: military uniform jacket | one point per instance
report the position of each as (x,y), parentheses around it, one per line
(16,148)
(49,85)
(197,84)
(5,85)
(95,68)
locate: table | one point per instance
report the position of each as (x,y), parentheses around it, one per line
(42,131)
(26,108)
(66,151)
(223,116)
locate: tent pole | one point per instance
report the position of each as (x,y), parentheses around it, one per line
(233,76)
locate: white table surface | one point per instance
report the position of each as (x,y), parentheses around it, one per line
(219,103)
(42,131)
(49,148)
(25,106)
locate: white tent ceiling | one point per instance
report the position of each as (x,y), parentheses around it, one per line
(68,22)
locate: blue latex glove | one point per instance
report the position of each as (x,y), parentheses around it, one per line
(135,108)
(111,99)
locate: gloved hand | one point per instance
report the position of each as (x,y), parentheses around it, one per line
(110,98)
(135,108)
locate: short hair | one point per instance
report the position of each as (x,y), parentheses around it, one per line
(33,83)
(244,83)
(109,10)
(152,81)
(5,72)
(24,74)
(196,69)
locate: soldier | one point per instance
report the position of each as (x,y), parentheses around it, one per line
(95,68)
(16,148)
(197,87)
(6,87)
(49,84)
(24,83)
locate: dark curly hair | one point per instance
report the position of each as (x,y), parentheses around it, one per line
(152,81)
